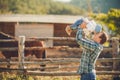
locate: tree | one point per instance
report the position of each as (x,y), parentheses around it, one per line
(4,8)
(37,7)
(97,6)
(114,20)
(111,20)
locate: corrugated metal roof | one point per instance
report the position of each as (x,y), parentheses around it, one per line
(39,18)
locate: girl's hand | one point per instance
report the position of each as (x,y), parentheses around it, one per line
(68,30)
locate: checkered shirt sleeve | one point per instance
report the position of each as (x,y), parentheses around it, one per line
(88,44)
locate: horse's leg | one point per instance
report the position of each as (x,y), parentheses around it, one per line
(8,63)
(43,57)
(42,54)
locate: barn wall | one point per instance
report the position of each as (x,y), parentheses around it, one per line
(59,31)
(35,30)
(8,27)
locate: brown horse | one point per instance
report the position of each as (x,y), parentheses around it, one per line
(40,53)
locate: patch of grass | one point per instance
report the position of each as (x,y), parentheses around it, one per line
(13,76)
(8,76)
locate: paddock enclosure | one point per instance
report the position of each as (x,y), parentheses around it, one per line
(62,54)
(61,62)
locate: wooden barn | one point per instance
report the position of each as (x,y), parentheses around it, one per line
(36,25)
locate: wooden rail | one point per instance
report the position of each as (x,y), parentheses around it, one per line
(72,73)
(41,39)
(45,39)
(22,61)
(59,61)
(38,48)
(53,68)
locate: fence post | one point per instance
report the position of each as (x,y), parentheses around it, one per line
(21,47)
(115,52)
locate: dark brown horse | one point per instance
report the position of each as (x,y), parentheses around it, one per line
(39,53)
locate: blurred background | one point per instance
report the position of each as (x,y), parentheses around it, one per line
(106,12)
(49,18)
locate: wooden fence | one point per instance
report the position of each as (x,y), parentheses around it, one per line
(59,66)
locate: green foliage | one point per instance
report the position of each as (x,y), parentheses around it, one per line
(13,76)
(37,7)
(60,8)
(100,17)
(111,19)
(4,8)
(97,6)
(114,20)
(8,76)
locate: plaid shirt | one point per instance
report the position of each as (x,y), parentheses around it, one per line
(91,50)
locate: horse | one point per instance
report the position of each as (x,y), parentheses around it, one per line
(39,53)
